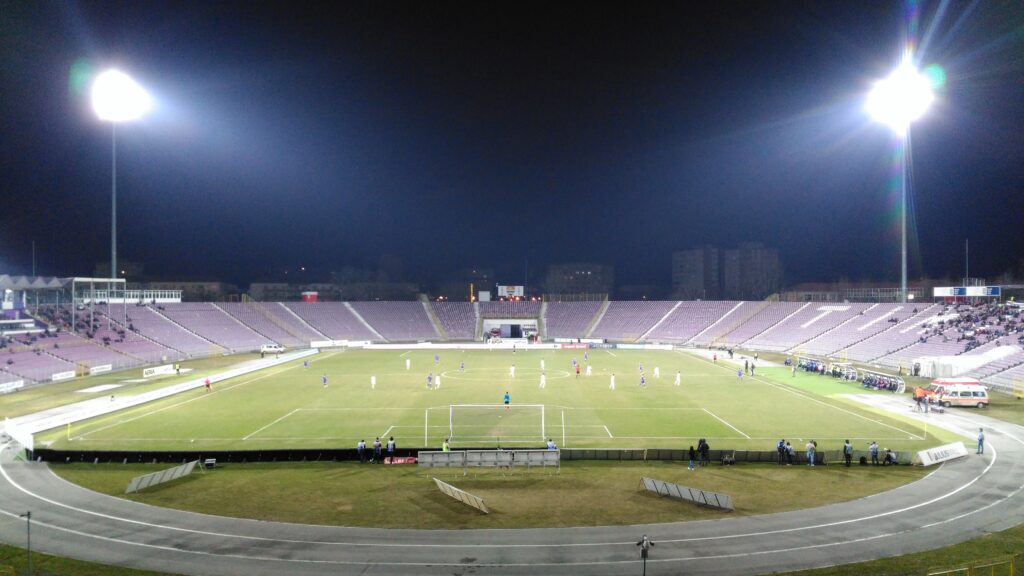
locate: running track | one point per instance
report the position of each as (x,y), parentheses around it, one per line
(958,501)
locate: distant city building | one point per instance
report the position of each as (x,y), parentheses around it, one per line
(696,274)
(198,291)
(751,272)
(748,272)
(579,278)
(354,291)
(845,291)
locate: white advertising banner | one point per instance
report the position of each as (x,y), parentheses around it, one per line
(11,386)
(509,291)
(101,369)
(63,375)
(942,453)
(158,370)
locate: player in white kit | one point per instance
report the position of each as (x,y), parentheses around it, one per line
(543,380)
(590,370)
(373,382)
(611,384)
(679,378)
(512,371)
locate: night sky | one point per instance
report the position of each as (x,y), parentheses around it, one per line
(494,134)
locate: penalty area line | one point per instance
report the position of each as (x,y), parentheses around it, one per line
(271,424)
(713,415)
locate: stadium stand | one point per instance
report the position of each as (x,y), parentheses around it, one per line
(211,323)
(807,323)
(764,319)
(135,345)
(256,316)
(332,319)
(629,320)
(997,366)
(510,309)
(569,319)
(163,331)
(874,320)
(397,321)
(887,335)
(1010,380)
(689,319)
(287,319)
(898,336)
(457,318)
(35,365)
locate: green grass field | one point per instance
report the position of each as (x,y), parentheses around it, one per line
(287,407)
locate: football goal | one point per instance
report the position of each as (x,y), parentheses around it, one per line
(495,424)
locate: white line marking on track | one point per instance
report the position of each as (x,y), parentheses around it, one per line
(271,424)
(726,423)
(24,490)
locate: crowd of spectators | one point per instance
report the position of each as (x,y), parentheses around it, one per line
(977,325)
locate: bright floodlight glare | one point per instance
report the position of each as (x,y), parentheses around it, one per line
(901,98)
(118,98)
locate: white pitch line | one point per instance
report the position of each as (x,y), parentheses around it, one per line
(726,423)
(610,352)
(404,353)
(271,424)
(386,432)
(218,391)
(609,432)
(812,399)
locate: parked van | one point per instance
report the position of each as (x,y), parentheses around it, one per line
(271,349)
(958,392)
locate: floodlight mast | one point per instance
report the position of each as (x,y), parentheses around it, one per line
(898,101)
(117,98)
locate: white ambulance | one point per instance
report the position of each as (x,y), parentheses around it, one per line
(957,392)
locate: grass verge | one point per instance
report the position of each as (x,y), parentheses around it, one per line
(989,549)
(350,494)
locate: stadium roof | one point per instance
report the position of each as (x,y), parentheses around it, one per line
(45,282)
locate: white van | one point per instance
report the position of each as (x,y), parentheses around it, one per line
(271,349)
(958,392)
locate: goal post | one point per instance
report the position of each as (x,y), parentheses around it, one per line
(494,423)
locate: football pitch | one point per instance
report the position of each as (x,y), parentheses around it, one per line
(288,406)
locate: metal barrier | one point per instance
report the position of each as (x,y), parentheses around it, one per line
(143,482)
(1006,566)
(490,459)
(462,496)
(695,495)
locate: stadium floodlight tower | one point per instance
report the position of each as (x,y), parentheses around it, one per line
(117,98)
(898,101)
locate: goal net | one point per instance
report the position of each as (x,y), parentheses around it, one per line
(493,424)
